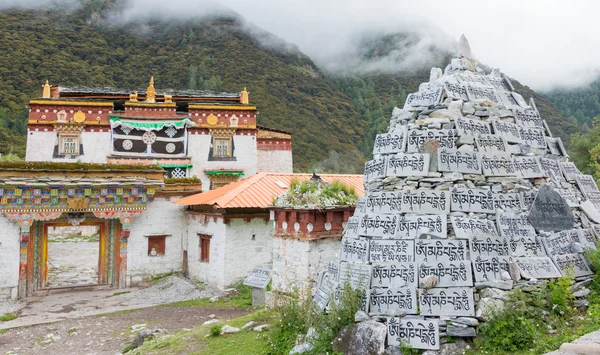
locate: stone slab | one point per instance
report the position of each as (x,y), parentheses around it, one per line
(477,92)
(378,225)
(558,243)
(569,170)
(528,167)
(586,183)
(383,202)
(375,169)
(489,143)
(425,97)
(470,227)
(413,226)
(470,127)
(527,197)
(497,164)
(395,275)
(416,138)
(452,160)
(537,267)
(391,143)
(417,333)
(472,200)
(352,226)
(552,169)
(436,250)
(556,147)
(593,197)
(448,274)
(487,246)
(574,263)
(358,275)
(452,301)
(572,197)
(393,301)
(391,251)
(528,118)
(490,268)
(508,202)
(354,250)
(590,210)
(258,278)
(514,224)
(585,237)
(360,205)
(426,201)
(507,130)
(534,137)
(526,246)
(456,91)
(403,165)
(550,212)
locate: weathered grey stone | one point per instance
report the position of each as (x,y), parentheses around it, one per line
(581,293)
(248,325)
(514,271)
(361,316)
(227,329)
(467,320)
(462,332)
(301,348)
(487,307)
(580,284)
(260,328)
(495,293)
(428,282)
(365,338)
(582,303)
(145,334)
(393,350)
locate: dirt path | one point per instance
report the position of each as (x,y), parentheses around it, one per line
(108,334)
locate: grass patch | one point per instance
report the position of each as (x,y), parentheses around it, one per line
(158,277)
(216,330)
(8,317)
(241,298)
(120,293)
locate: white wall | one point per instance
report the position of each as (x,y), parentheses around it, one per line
(96,146)
(243,253)
(9,258)
(40,146)
(275,161)
(297,262)
(211,272)
(161,218)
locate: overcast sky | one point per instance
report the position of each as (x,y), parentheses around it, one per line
(542,43)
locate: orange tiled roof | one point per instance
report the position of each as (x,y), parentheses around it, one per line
(258,191)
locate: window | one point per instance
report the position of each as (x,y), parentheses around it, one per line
(156,245)
(204,247)
(69,145)
(222,147)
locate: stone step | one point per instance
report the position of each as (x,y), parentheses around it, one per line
(580,349)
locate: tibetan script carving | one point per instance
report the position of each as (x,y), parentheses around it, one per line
(434,251)
(426,201)
(450,273)
(458,161)
(391,251)
(354,250)
(514,225)
(394,142)
(508,130)
(575,262)
(528,167)
(375,169)
(550,212)
(383,202)
(416,164)
(472,200)
(417,333)
(488,143)
(412,226)
(470,227)
(490,268)
(416,138)
(378,225)
(497,164)
(537,267)
(394,275)
(390,302)
(452,301)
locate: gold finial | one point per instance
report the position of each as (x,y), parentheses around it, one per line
(133,96)
(46,92)
(244,99)
(150,92)
(168,98)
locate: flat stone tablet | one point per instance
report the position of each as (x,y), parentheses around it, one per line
(378,225)
(593,197)
(469,227)
(417,333)
(354,250)
(552,169)
(586,183)
(489,143)
(413,226)
(482,92)
(526,246)
(459,161)
(550,212)
(360,205)
(500,84)
(358,275)
(470,127)
(425,97)
(528,118)
(508,202)
(456,91)
(574,262)
(435,250)
(383,202)
(394,275)
(392,301)
(535,137)
(473,79)
(490,268)
(558,243)
(426,201)
(375,169)
(590,210)
(321,299)
(391,251)
(527,197)
(514,224)
(571,196)
(416,138)
(555,146)
(528,167)
(351,229)
(452,301)
(472,200)
(390,143)
(537,267)
(497,164)
(586,237)
(508,130)
(402,165)
(449,273)
(520,100)
(569,170)
(486,247)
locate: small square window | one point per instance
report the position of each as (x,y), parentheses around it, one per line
(156,245)
(204,247)
(222,147)
(68,145)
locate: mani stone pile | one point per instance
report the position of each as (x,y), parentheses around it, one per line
(468,196)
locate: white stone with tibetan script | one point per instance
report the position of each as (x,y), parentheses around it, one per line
(375,169)
(572,197)
(535,137)
(552,169)
(402,165)
(537,267)
(508,130)
(569,170)
(351,229)
(354,250)
(586,183)
(508,202)
(378,225)
(485,246)
(452,160)
(358,275)
(425,97)
(393,301)
(528,167)
(490,268)
(451,273)
(470,127)
(417,333)
(497,164)
(528,118)
(426,201)
(472,200)
(393,142)
(416,138)
(489,143)
(437,250)
(413,226)
(574,263)
(394,275)
(558,243)
(391,251)
(514,225)
(383,202)
(469,227)
(526,246)
(451,301)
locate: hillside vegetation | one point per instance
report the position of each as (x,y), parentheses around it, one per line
(334,119)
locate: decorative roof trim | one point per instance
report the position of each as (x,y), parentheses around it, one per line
(149,126)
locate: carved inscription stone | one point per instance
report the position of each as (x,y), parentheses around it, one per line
(572,197)
(471,127)
(552,169)
(489,246)
(487,143)
(416,138)
(558,243)
(472,200)
(586,237)
(593,197)
(555,146)
(537,267)
(360,205)
(528,118)
(453,160)
(378,225)
(586,183)
(477,92)
(375,169)
(527,197)
(535,137)
(452,301)
(358,275)
(354,250)
(413,226)
(426,201)
(569,170)
(394,275)
(514,225)
(497,164)
(416,164)
(425,97)
(391,251)
(435,251)
(470,227)
(456,91)
(450,273)
(490,268)
(508,130)
(550,212)
(528,167)
(388,143)
(392,301)
(575,262)
(417,333)
(383,202)
(351,230)
(508,202)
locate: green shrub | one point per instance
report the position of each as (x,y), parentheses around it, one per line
(291,321)
(8,317)
(215,330)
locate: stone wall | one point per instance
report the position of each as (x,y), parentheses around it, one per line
(9,258)
(211,272)
(279,161)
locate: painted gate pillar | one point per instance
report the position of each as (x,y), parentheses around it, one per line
(23,259)
(123,256)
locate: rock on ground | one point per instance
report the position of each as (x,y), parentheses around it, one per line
(365,338)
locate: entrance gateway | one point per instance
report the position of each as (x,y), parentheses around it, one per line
(56,194)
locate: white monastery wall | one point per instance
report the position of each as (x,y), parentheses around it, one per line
(245,253)
(198,148)
(9,258)
(40,145)
(297,262)
(278,161)
(96,146)
(211,272)
(161,218)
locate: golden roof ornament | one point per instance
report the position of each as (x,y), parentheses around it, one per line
(46,91)
(133,96)
(168,98)
(244,99)
(150,92)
